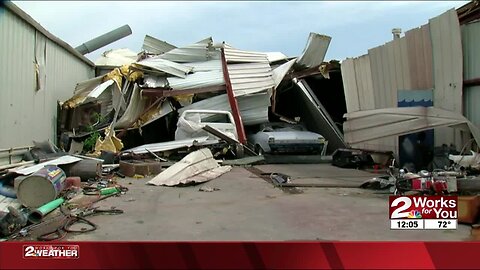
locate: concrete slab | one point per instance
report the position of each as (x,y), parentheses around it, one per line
(248,208)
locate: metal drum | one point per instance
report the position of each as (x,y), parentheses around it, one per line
(41,187)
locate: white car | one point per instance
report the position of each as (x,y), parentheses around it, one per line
(286,138)
(191,122)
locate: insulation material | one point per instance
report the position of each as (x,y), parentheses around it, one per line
(110,143)
(196,167)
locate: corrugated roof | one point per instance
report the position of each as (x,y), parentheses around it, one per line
(315,50)
(233,55)
(166,66)
(20,13)
(197,52)
(197,80)
(250,78)
(471,52)
(117,58)
(253,108)
(156,46)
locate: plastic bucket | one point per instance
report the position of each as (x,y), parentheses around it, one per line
(41,187)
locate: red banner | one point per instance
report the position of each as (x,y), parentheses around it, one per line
(240,255)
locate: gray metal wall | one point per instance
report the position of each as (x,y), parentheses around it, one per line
(26,113)
(426,58)
(471,68)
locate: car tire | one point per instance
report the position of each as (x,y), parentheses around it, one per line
(259,150)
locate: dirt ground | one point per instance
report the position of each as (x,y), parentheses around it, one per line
(248,208)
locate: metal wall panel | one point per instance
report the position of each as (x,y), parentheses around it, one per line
(428,57)
(27,114)
(447,71)
(471,65)
(419,46)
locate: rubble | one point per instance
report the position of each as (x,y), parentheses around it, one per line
(196,167)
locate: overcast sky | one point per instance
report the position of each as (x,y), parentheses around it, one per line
(261,26)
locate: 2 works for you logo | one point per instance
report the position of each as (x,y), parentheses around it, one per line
(423,207)
(51,251)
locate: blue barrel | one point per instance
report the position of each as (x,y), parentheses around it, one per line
(41,187)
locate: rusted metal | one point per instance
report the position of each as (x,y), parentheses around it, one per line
(472,82)
(152,92)
(233,101)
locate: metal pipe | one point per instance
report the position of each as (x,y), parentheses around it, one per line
(233,101)
(104,39)
(38,214)
(471,82)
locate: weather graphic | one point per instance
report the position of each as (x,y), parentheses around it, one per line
(414,214)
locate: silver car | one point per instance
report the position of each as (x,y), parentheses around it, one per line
(286,138)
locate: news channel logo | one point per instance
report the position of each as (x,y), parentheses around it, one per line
(423,212)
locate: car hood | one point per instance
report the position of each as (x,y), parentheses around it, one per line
(294,135)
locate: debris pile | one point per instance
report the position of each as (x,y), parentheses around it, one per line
(52,194)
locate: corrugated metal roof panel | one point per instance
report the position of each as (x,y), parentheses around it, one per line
(233,55)
(166,66)
(34,24)
(250,78)
(471,70)
(117,58)
(197,52)
(447,70)
(314,51)
(276,56)
(156,46)
(419,47)
(253,108)
(205,66)
(471,51)
(197,80)
(472,110)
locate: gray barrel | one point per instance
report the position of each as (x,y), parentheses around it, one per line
(41,187)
